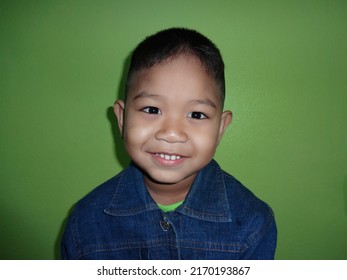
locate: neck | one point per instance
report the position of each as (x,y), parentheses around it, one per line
(167,194)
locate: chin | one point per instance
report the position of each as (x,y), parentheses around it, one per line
(166,178)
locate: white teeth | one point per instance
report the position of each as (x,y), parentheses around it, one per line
(168,157)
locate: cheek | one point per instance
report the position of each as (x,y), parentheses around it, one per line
(136,133)
(205,140)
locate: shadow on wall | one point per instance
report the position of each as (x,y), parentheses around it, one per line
(345,193)
(119,149)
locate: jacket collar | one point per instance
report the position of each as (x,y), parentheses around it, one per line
(206,200)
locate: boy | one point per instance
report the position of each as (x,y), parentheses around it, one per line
(173,201)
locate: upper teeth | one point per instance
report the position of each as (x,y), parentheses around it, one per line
(169,157)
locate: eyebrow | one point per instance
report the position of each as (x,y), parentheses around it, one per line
(145,94)
(206,101)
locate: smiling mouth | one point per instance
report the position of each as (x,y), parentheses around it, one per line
(168,159)
(167,156)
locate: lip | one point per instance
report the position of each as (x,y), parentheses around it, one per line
(168,159)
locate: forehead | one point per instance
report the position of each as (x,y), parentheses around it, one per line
(183,76)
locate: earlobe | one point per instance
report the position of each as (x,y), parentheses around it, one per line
(226,119)
(118,109)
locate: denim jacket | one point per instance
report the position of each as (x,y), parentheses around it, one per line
(220,219)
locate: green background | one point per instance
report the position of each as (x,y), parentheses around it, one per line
(62,66)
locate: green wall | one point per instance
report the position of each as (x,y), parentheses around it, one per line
(62,66)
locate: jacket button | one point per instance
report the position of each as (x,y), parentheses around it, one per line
(164,225)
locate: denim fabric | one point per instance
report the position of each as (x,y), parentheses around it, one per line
(220,219)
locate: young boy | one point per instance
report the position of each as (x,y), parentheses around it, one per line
(173,201)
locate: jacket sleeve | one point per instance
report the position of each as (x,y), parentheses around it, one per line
(263,242)
(68,248)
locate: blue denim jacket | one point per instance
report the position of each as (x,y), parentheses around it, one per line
(220,219)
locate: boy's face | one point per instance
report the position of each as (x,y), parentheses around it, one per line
(172,121)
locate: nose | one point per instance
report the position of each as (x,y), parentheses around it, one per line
(172,131)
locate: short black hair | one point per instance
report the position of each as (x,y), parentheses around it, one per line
(173,42)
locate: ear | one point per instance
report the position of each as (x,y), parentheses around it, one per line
(118,109)
(226,119)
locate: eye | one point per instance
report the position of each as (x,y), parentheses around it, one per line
(151,110)
(197,115)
